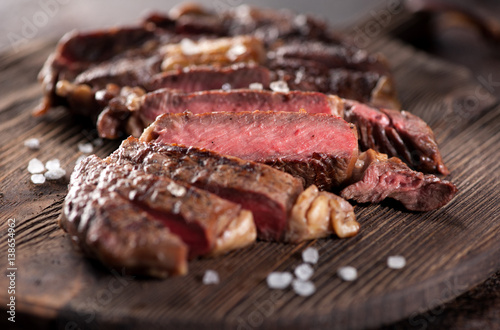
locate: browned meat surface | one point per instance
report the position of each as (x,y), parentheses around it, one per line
(148,223)
(397,134)
(267,192)
(319,148)
(377,177)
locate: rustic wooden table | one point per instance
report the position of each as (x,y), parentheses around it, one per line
(23,22)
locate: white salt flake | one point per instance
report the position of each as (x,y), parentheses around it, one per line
(310,255)
(33,144)
(347,273)
(35,166)
(53,164)
(85,148)
(210,277)
(226,87)
(55,174)
(279,280)
(304,272)
(256,86)
(279,86)
(303,288)
(396,262)
(38,178)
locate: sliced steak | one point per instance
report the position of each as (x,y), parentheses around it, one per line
(377,177)
(201,78)
(170,101)
(267,192)
(121,215)
(397,134)
(319,148)
(200,50)
(290,141)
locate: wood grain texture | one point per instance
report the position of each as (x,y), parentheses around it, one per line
(448,251)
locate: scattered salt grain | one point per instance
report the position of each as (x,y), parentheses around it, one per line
(256,86)
(279,86)
(279,280)
(33,144)
(304,272)
(55,174)
(310,255)
(86,148)
(35,166)
(210,277)
(396,262)
(38,178)
(303,288)
(52,164)
(235,51)
(347,273)
(226,87)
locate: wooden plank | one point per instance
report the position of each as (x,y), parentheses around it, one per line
(448,250)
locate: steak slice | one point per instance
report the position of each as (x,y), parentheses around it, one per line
(377,177)
(267,192)
(199,78)
(397,134)
(121,215)
(170,101)
(319,148)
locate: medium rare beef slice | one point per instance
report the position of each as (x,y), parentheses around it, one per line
(377,177)
(280,213)
(397,134)
(163,101)
(321,149)
(270,194)
(115,231)
(124,203)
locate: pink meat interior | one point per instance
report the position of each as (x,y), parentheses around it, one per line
(257,137)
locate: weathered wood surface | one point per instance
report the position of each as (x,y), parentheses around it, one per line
(448,251)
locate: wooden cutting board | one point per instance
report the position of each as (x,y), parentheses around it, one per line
(448,251)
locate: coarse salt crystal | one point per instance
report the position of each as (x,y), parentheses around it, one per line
(210,277)
(226,87)
(86,148)
(347,273)
(256,86)
(279,280)
(33,144)
(303,288)
(35,166)
(55,174)
(310,255)
(396,262)
(52,164)
(279,86)
(38,178)
(304,272)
